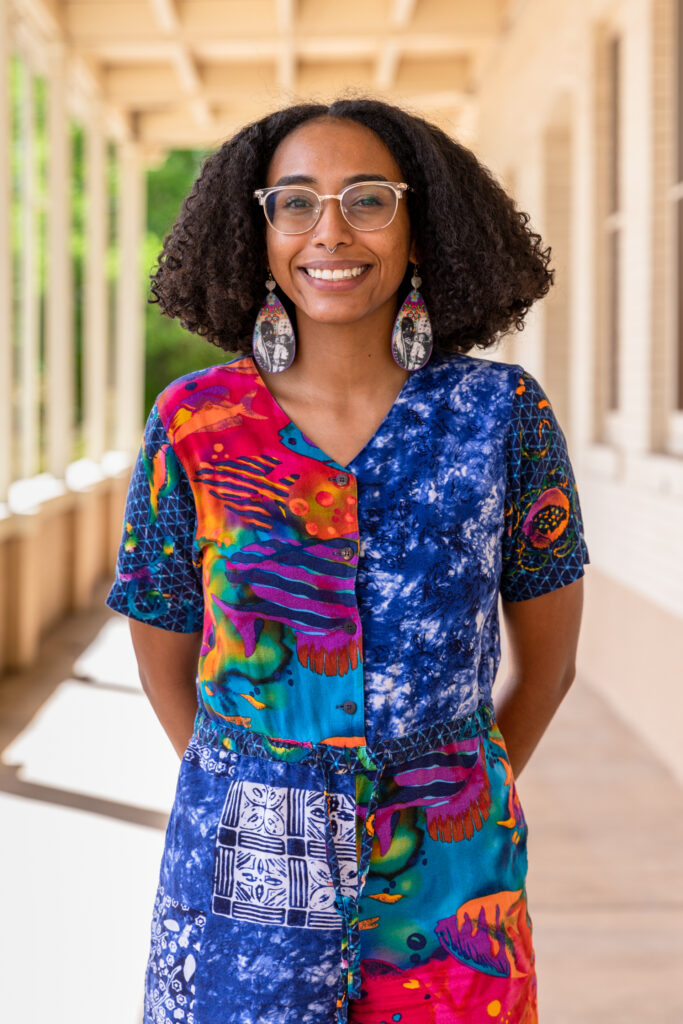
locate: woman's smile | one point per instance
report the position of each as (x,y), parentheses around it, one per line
(337,275)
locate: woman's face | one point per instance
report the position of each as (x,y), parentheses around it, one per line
(327,155)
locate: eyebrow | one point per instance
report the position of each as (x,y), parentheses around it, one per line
(305,179)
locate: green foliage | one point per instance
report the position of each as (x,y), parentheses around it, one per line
(170,351)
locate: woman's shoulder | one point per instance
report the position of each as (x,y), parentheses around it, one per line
(222,384)
(208,376)
(479,378)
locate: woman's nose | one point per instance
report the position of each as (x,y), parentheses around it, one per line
(332,228)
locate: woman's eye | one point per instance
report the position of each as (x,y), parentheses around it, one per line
(369,199)
(296,203)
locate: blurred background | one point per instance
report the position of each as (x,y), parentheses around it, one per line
(107,108)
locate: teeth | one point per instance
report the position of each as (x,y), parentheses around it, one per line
(334,275)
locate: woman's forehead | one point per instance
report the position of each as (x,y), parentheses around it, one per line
(331,147)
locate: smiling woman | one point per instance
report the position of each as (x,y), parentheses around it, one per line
(316,536)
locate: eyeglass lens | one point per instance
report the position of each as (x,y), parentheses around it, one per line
(367,206)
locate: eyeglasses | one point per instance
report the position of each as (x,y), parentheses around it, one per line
(295,209)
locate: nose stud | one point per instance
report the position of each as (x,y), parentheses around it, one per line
(327,246)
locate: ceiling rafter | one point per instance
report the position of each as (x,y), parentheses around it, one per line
(186,72)
(387,65)
(231,47)
(285,11)
(167,18)
(390,53)
(402,12)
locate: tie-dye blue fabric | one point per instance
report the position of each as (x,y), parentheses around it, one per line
(445,494)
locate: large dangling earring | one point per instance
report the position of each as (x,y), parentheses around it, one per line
(273,342)
(411,338)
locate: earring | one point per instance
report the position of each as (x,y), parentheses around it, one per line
(273,342)
(411,338)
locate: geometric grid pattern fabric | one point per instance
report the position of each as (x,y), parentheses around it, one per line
(543,544)
(158,572)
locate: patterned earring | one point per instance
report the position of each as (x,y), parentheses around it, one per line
(411,338)
(273,342)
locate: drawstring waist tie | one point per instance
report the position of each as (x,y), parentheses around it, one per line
(347,906)
(347,760)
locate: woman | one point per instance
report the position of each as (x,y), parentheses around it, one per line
(322,550)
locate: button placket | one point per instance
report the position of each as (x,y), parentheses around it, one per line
(349,552)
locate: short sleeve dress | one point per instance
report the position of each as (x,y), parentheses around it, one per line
(346,842)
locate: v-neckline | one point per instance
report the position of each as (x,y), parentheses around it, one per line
(312,444)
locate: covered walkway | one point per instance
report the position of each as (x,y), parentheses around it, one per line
(87,782)
(576,109)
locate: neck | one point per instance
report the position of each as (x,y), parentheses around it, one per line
(336,360)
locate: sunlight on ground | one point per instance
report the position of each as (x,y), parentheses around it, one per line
(88,782)
(80,874)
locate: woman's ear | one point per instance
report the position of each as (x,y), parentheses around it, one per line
(412,253)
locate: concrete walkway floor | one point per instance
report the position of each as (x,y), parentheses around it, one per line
(87,779)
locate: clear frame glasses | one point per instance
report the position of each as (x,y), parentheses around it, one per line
(366,206)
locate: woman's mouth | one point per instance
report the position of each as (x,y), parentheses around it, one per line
(327,274)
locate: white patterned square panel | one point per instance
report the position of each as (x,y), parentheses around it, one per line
(271,866)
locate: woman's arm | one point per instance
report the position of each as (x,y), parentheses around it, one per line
(542,635)
(167,663)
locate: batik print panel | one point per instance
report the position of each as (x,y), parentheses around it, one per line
(271,865)
(246,972)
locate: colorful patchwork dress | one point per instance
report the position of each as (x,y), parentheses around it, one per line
(346,842)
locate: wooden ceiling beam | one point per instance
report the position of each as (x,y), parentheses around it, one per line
(46,16)
(387,65)
(402,13)
(110,47)
(172,128)
(285,14)
(166,14)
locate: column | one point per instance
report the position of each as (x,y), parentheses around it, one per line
(635,314)
(95,289)
(5,264)
(59,383)
(130,335)
(28,295)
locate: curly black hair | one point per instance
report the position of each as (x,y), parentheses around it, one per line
(480,264)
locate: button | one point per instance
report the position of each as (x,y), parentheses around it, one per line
(341,479)
(346,553)
(349,706)
(349,626)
